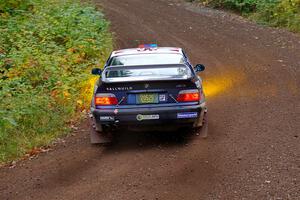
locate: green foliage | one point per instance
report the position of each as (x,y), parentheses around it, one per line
(14,6)
(279,13)
(285,13)
(46,53)
(239,5)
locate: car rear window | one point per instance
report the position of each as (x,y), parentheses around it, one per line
(148,73)
(147,59)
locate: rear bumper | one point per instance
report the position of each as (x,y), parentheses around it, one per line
(170,116)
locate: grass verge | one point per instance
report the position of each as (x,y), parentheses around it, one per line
(47,49)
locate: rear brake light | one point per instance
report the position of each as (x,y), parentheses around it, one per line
(105,100)
(188,96)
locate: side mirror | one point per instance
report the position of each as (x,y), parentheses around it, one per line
(199,68)
(96,71)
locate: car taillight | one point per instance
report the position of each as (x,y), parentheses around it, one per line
(105,100)
(188,96)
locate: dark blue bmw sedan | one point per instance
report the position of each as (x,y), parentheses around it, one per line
(147,88)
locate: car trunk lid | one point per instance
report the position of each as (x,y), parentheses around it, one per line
(147,92)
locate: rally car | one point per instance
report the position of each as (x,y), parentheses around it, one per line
(147,88)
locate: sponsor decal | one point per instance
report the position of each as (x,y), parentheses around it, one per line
(198,84)
(162,97)
(118,88)
(140,117)
(107,118)
(187,115)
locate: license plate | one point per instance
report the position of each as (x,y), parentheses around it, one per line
(147,98)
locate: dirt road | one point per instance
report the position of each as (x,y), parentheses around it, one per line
(253,149)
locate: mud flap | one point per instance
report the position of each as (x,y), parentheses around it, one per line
(204,128)
(201,126)
(97,136)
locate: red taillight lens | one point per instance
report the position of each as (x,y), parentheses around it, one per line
(188,96)
(103,100)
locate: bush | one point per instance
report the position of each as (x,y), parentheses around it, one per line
(285,13)
(245,6)
(279,13)
(46,53)
(13,6)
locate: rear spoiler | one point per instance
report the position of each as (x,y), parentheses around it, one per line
(143,78)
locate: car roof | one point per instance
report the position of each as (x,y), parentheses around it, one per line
(137,51)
